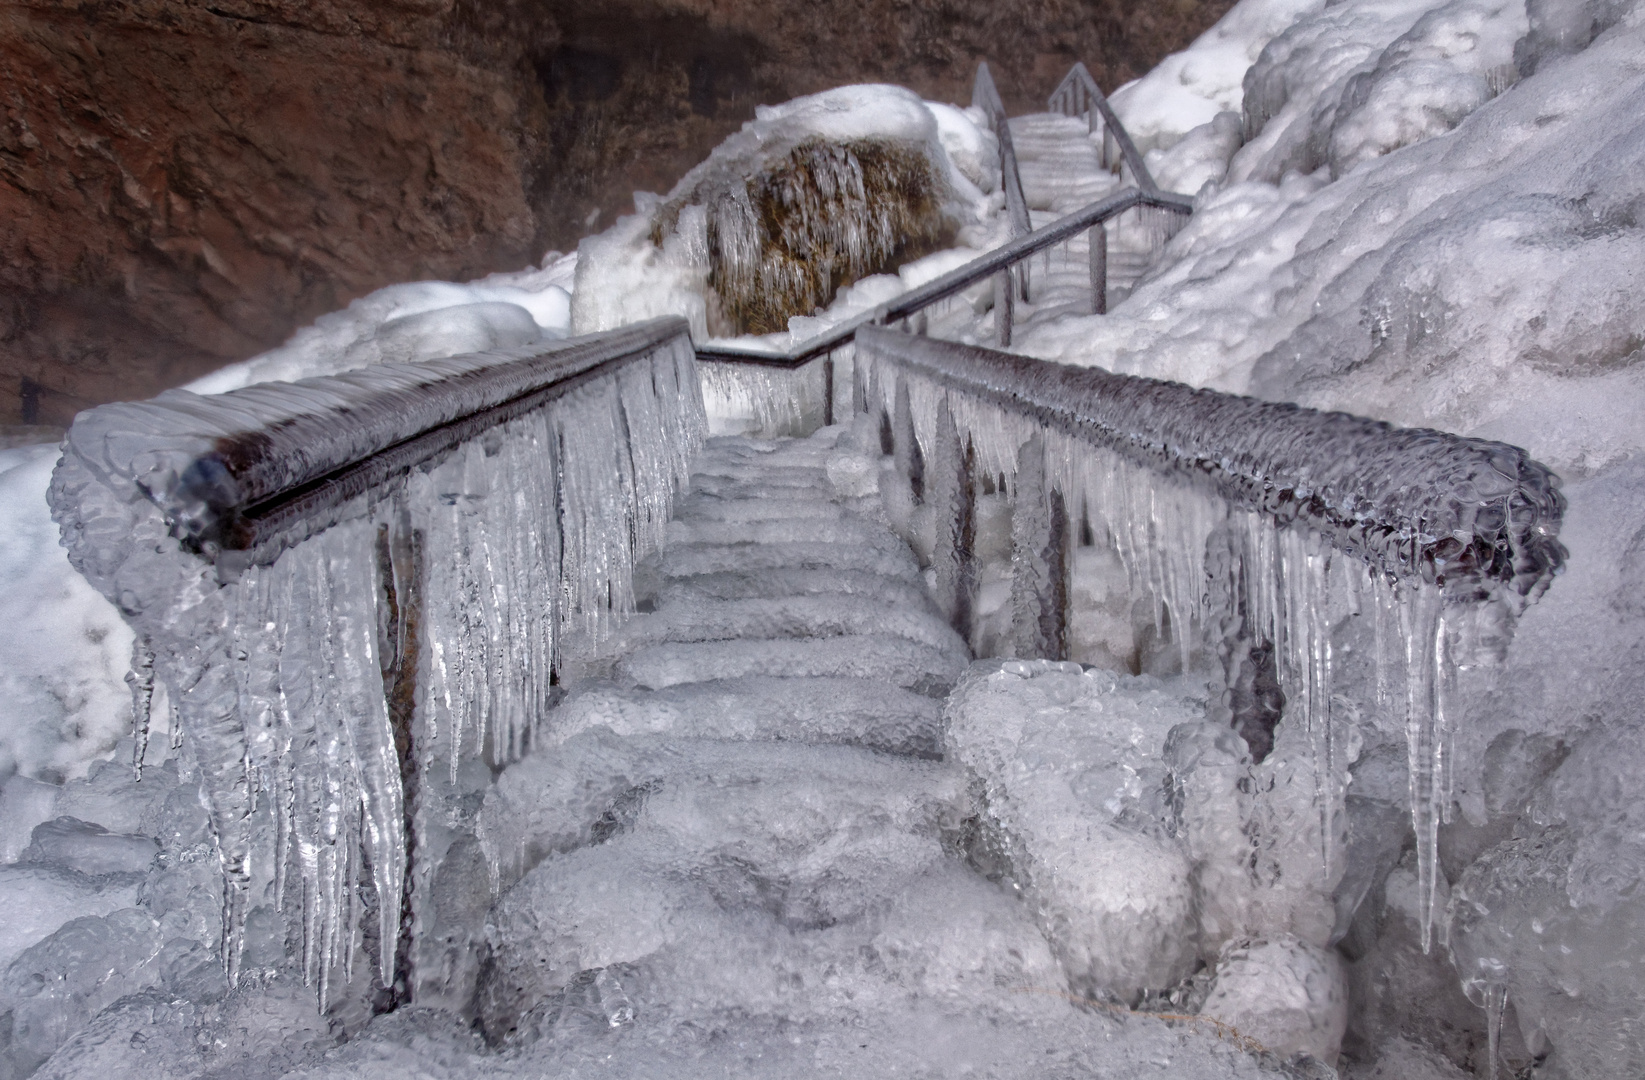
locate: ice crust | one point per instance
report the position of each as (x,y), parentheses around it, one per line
(509,544)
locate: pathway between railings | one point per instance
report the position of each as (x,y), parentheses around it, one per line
(741,815)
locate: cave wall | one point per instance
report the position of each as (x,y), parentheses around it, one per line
(184,183)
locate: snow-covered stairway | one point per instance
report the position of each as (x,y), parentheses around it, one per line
(738,850)
(1062,171)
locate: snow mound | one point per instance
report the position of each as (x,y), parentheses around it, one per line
(1189,88)
(1073,783)
(420,320)
(1286,994)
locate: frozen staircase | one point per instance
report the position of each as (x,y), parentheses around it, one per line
(771,726)
(749,825)
(1061,164)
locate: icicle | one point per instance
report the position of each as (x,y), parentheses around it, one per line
(141,681)
(1496,1000)
(1423,628)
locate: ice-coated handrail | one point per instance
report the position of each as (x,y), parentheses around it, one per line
(233,472)
(1415,503)
(1077,95)
(349,584)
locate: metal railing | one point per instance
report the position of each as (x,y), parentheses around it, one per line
(348,584)
(1079,95)
(908,308)
(1077,90)
(252,470)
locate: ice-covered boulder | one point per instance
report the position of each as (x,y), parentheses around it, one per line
(810,195)
(54,988)
(1286,994)
(1069,764)
(1553,918)
(38,898)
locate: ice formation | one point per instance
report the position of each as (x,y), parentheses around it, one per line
(289,654)
(1442,540)
(808,197)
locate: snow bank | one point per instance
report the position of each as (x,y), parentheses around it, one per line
(62,701)
(1484,281)
(1189,88)
(421,320)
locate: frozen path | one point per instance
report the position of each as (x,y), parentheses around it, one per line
(740,853)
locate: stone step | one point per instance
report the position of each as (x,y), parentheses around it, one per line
(896,660)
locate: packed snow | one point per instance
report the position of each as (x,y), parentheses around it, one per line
(761,835)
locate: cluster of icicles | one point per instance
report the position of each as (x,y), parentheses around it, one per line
(1296,589)
(526,537)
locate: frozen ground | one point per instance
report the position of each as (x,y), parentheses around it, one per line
(1425,211)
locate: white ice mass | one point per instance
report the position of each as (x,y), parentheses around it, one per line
(778,822)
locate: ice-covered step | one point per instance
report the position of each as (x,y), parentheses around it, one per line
(895,660)
(856,712)
(803,456)
(727,487)
(691,560)
(759,472)
(693,509)
(1060,164)
(787,617)
(738,585)
(836,530)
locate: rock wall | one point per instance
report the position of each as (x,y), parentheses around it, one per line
(185,182)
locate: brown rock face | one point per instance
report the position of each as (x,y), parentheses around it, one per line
(185,182)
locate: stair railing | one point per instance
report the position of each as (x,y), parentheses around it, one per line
(1263,537)
(1078,95)
(782,393)
(347,586)
(986,97)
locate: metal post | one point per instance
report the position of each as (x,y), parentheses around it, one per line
(828,389)
(1099,269)
(954,498)
(1004,288)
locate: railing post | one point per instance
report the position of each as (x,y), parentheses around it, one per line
(1004,293)
(828,389)
(1039,560)
(1099,269)
(402,580)
(954,500)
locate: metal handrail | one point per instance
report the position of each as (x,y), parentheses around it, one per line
(1078,90)
(234,472)
(986,96)
(1413,502)
(1077,95)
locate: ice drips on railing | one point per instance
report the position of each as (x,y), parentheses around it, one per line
(1258,528)
(421,546)
(763,399)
